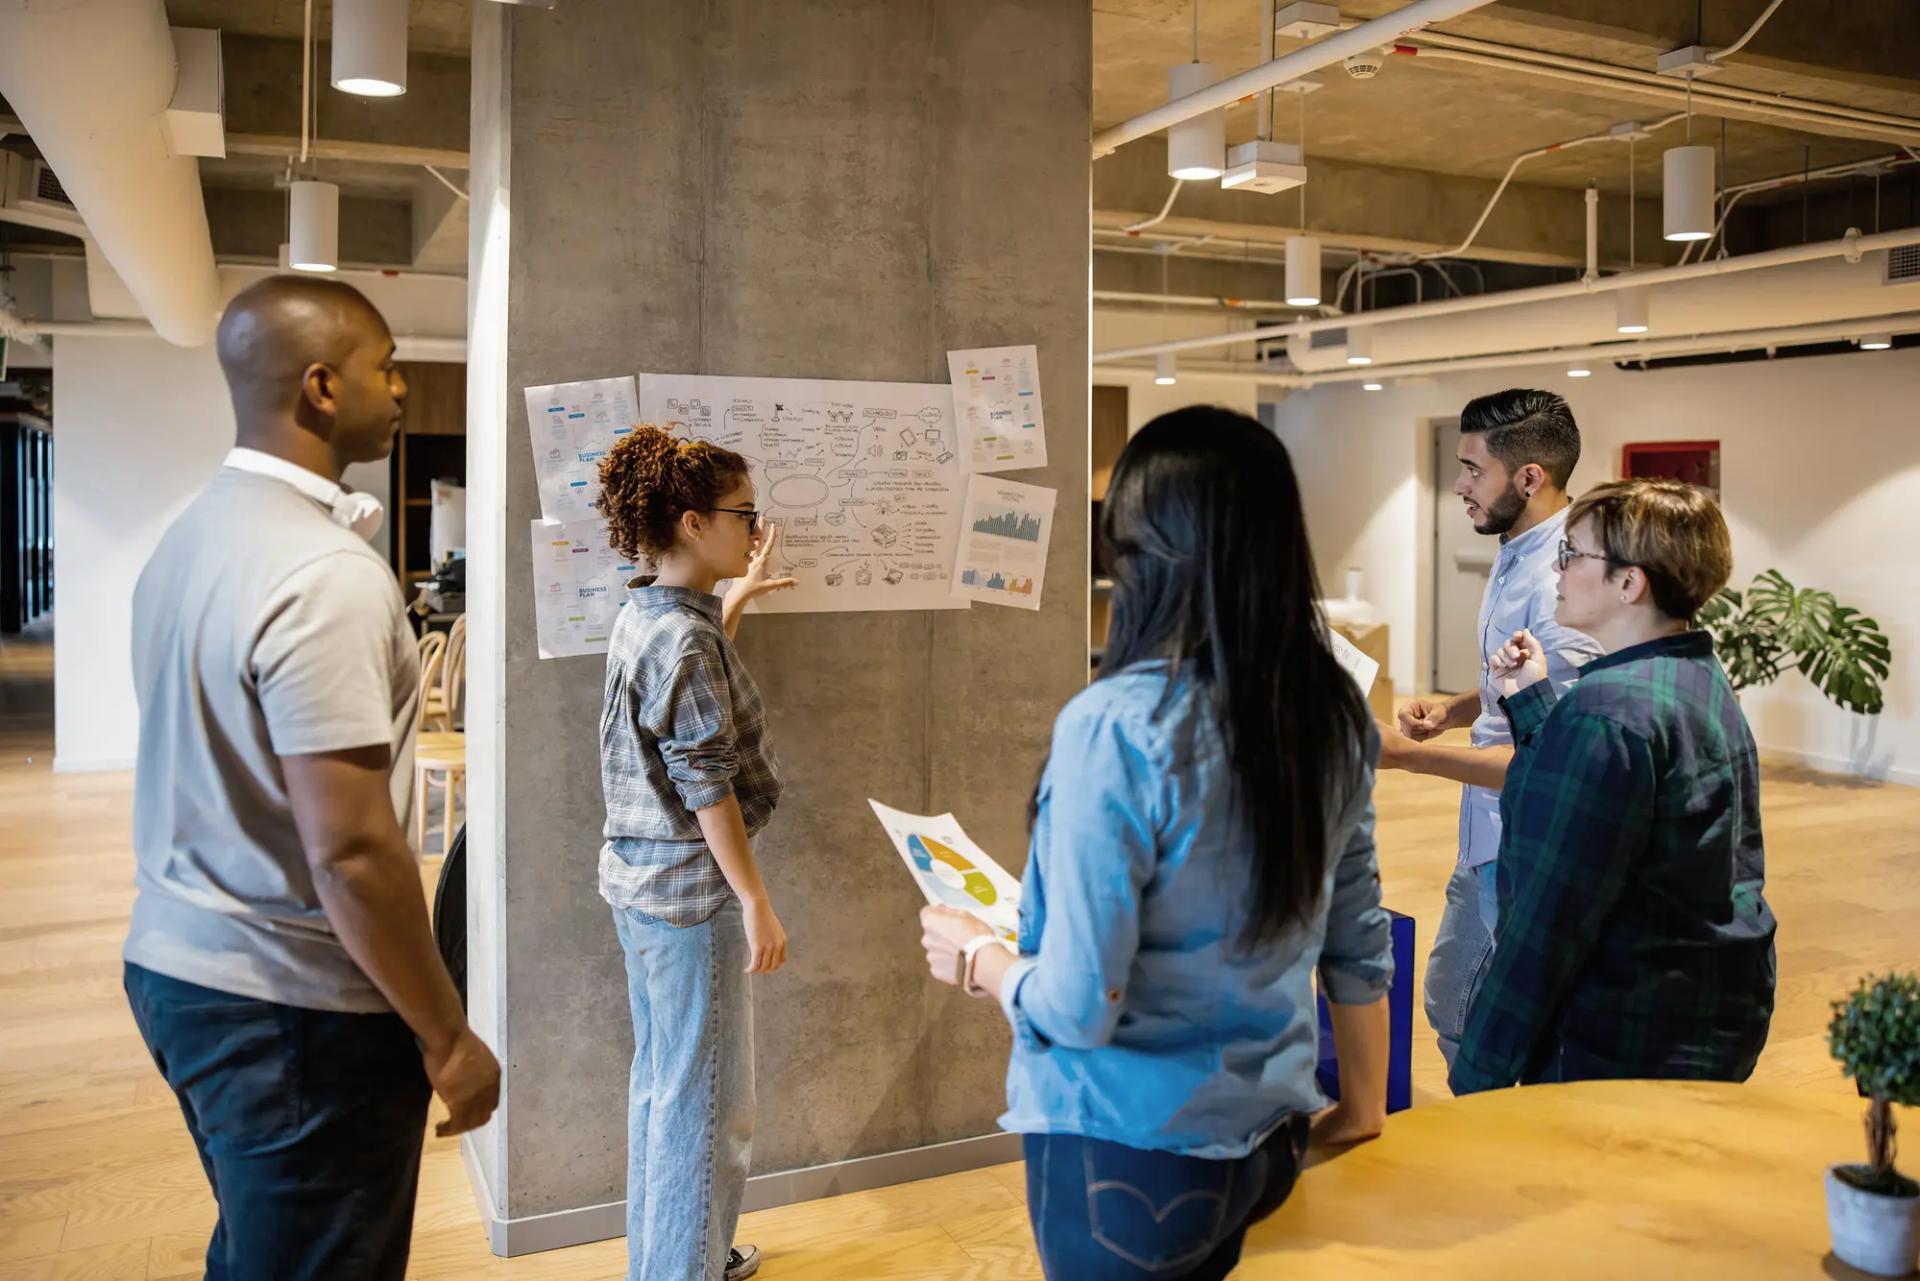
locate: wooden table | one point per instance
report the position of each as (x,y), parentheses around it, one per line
(1645,1180)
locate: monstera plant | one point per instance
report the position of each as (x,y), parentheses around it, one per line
(1774,627)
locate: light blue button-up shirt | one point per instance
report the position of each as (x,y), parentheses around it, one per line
(1520,594)
(1137,1017)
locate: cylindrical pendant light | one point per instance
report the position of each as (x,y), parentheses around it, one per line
(370,47)
(1630,309)
(1196,148)
(313,240)
(1360,345)
(1686,196)
(1303,271)
(1163,369)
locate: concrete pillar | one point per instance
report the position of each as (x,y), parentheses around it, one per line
(810,189)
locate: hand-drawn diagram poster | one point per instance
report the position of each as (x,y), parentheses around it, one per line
(865,480)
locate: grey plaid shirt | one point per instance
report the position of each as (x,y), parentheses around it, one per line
(681,728)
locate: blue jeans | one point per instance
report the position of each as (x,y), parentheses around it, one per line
(1462,951)
(690,1093)
(1106,1212)
(308,1124)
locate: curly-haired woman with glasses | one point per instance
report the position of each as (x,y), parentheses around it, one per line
(1634,939)
(689,780)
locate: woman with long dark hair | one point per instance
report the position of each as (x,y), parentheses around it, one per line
(1202,841)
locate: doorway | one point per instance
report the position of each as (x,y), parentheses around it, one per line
(1462,561)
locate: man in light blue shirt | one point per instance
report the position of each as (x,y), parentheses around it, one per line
(1517,452)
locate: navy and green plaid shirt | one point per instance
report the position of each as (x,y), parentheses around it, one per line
(1634,940)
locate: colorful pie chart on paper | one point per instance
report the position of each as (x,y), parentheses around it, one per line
(954,877)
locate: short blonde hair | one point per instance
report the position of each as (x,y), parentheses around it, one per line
(1670,530)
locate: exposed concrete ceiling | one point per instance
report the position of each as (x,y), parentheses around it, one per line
(433,26)
(1405,161)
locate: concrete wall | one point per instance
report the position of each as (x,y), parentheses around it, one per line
(1820,479)
(820,190)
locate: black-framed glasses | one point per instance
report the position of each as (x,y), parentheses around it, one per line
(753,515)
(1569,553)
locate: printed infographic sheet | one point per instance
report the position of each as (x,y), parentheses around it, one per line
(1003,546)
(579,584)
(951,870)
(572,426)
(996,397)
(865,480)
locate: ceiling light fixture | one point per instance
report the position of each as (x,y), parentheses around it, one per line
(313,240)
(1579,371)
(1630,309)
(1371,386)
(1303,271)
(1686,192)
(1360,345)
(1196,147)
(1163,369)
(1876,342)
(370,47)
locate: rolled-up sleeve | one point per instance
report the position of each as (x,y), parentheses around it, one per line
(1567,650)
(697,740)
(1356,962)
(1099,852)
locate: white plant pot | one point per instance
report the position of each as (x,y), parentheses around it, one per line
(1877,1234)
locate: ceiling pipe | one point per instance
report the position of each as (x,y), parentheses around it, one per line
(428,347)
(1708,98)
(1851,247)
(1384,30)
(1692,345)
(91,81)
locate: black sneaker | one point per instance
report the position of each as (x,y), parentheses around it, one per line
(742,1263)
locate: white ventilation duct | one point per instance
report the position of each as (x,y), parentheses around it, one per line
(91,81)
(1806,293)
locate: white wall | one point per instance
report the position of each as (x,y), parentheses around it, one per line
(1145,399)
(139,427)
(1820,477)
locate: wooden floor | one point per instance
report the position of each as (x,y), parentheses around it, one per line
(99,1181)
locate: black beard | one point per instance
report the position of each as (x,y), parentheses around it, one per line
(1504,513)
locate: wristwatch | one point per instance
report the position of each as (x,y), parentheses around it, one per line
(970,950)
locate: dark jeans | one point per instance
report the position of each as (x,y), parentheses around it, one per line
(1106,1212)
(308,1123)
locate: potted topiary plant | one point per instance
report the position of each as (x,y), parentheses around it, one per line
(1873,1210)
(1774,627)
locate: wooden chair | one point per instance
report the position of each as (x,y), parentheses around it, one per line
(441,701)
(441,756)
(433,652)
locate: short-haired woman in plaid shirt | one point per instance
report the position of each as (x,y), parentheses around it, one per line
(1634,937)
(689,780)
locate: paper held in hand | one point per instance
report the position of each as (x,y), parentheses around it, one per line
(1357,665)
(951,870)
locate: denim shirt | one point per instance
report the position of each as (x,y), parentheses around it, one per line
(1137,1017)
(1520,594)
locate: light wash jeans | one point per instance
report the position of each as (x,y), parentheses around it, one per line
(690,1095)
(1462,950)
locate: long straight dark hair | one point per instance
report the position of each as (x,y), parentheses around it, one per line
(1207,545)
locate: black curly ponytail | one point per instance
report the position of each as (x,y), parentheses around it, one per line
(651,478)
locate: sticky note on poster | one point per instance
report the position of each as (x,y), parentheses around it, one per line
(1005,527)
(996,400)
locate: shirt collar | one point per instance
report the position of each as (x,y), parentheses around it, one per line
(1547,531)
(312,484)
(1693,644)
(643,593)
